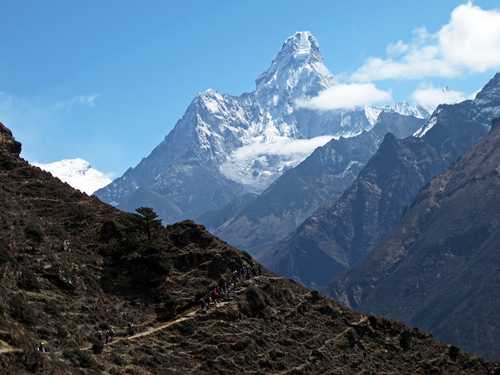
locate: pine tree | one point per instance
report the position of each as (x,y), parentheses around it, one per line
(149,219)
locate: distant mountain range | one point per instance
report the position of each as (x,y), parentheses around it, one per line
(439,268)
(300,191)
(227,146)
(339,236)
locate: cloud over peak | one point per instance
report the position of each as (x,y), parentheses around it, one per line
(469,42)
(346,96)
(430,97)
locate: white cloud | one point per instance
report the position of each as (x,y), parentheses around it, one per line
(78,173)
(469,42)
(281,146)
(430,97)
(258,164)
(397,48)
(346,96)
(85,100)
(472,38)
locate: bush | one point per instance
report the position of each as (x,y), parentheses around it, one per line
(80,358)
(28,281)
(97,347)
(21,311)
(4,254)
(34,232)
(185,328)
(109,231)
(33,360)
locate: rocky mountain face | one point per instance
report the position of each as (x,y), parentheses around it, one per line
(71,267)
(300,191)
(336,238)
(439,268)
(225,146)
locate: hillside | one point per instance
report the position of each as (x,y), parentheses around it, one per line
(71,265)
(439,268)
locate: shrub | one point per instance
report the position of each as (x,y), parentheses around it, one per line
(4,254)
(21,311)
(80,358)
(97,347)
(34,231)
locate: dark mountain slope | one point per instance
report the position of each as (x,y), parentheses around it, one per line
(215,218)
(341,235)
(70,264)
(318,180)
(440,268)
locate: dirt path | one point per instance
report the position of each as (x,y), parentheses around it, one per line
(186,316)
(156,329)
(6,348)
(9,350)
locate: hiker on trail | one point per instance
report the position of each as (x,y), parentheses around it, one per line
(130,329)
(99,335)
(215,295)
(108,335)
(42,348)
(203,304)
(66,245)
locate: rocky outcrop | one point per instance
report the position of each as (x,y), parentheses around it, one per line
(7,141)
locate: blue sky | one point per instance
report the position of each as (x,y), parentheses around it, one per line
(106,81)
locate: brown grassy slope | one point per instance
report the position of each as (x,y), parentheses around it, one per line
(69,263)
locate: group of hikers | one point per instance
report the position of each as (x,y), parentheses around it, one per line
(224,288)
(41,348)
(105,336)
(222,291)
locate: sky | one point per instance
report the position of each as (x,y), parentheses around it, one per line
(106,81)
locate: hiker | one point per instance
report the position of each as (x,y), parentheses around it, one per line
(203,304)
(99,335)
(215,294)
(130,329)
(66,245)
(108,335)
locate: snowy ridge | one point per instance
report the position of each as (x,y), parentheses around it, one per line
(78,173)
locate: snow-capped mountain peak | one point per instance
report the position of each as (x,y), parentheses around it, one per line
(407,109)
(403,108)
(241,143)
(78,173)
(297,71)
(300,45)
